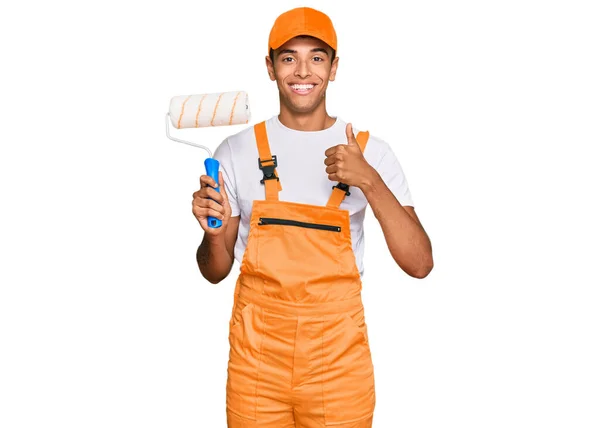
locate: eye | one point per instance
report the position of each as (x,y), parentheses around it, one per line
(318,58)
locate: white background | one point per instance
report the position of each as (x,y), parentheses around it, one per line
(493,110)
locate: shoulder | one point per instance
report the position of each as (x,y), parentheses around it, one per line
(246,136)
(239,142)
(241,137)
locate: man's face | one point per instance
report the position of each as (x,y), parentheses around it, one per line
(302,68)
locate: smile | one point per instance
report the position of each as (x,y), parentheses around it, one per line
(302,89)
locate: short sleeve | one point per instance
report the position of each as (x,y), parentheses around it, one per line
(224,156)
(391,172)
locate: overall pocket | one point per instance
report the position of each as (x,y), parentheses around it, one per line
(356,320)
(291,251)
(287,222)
(244,357)
(348,374)
(239,312)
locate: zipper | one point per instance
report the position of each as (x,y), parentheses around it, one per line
(287,222)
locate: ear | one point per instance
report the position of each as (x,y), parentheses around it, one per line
(334,66)
(270,68)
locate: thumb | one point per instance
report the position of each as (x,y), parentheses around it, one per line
(350,135)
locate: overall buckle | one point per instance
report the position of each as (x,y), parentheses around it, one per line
(268,170)
(342,186)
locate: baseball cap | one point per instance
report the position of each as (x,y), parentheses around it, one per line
(302,21)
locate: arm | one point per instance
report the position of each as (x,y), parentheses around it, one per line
(215,254)
(406,239)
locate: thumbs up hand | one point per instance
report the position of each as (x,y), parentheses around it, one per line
(346,163)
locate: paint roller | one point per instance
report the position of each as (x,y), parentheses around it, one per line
(203,110)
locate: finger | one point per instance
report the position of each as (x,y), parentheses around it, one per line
(332,169)
(208,212)
(340,148)
(329,160)
(203,222)
(334,149)
(208,192)
(216,214)
(207,181)
(204,203)
(211,193)
(350,135)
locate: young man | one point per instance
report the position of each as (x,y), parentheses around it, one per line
(292,200)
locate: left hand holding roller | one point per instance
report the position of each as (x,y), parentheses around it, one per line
(210,203)
(204,110)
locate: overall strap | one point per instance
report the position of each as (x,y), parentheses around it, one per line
(267,163)
(341,189)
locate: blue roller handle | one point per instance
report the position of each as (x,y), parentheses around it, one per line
(212,170)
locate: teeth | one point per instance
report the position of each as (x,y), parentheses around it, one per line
(303,87)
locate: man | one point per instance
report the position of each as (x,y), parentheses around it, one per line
(292,200)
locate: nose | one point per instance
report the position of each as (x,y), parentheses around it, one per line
(303,69)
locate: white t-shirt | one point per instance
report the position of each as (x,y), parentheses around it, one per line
(301,170)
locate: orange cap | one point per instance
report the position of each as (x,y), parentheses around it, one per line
(302,21)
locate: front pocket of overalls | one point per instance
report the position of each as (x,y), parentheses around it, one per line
(238,313)
(348,374)
(358,322)
(291,249)
(288,222)
(245,336)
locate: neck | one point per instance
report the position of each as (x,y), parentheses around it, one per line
(316,120)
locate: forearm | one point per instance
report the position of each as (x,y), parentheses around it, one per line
(214,261)
(406,239)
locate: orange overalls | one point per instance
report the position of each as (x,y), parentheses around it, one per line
(299,351)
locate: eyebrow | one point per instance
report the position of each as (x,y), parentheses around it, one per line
(291,51)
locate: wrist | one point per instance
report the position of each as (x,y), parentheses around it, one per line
(370,182)
(215,239)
